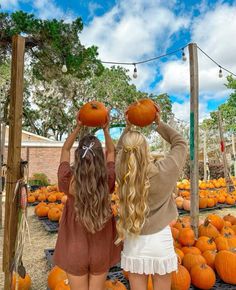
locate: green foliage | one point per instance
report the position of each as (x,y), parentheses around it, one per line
(39,179)
(49,45)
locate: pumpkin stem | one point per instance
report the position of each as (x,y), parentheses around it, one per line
(206,222)
(94,106)
(211,240)
(203,266)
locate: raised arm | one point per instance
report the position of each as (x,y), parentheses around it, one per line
(110,148)
(127,128)
(65,151)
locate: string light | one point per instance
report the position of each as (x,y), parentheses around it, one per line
(135,74)
(64,68)
(220,72)
(184,58)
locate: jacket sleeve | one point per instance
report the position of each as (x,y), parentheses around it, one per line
(177,155)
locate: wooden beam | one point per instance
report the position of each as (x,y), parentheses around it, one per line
(14,155)
(228,180)
(194,84)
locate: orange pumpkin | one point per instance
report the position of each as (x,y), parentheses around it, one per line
(180,280)
(186,237)
(175,233)
(227,230)
(55,276)
(23,283)
(63,285)
(210,258)
(216,221)
(191,250)
(31,198)
(190,260)
(180,254)
(42,197)
(93,114)
(202,276)
(230,200)
(142,113)
(54,214)
(230,218)
(187,204)
(203,201)
(225,264)
(114,285)
(52,197)
(205,243)
(42,211)
(208,230)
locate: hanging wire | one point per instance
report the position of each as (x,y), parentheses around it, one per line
(220,66)
(147,60)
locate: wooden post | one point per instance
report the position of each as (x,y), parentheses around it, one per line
(205,157)
(1,185)
(229,183)
(234,154)
(14,155)
(194,211)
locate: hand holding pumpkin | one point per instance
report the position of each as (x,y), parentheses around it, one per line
(105,127)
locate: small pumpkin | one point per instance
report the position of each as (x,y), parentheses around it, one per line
(54,214)
(31,198)
(191,250)
(227,230)
(42,211)
(63,285)
(216,221)
(175,233)
(210,258)
(180,280)
(203,201)
(208,230)
(179,202)
(52,198)
(186,237)
(202,276)
(55,276)
(114,285)
(142,113)
(225,265)
(230,218)
(187,204)
(23,283)
(190,260)
(93,114)
(205,243)
(180,254)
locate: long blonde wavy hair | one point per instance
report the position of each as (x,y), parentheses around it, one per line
(133,184)
(89,185)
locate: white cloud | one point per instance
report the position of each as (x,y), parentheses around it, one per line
(9,4)
(134,30)
(48,9)
(182,111)
(214,32)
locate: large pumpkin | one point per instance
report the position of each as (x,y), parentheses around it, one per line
(142,113)
(55,276)
(114,285)
(23,284)
(225,265)
(190,260)
(180,280)
(202,276)
(93,114)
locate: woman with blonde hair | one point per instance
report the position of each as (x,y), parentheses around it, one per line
(85,247)
(147,206)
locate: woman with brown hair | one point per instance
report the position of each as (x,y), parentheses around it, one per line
(147,206)
(85,247)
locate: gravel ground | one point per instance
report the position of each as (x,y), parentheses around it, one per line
(34,259)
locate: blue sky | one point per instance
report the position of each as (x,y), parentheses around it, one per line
(134,30)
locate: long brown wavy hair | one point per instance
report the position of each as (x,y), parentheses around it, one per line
(89,185)
(133,184)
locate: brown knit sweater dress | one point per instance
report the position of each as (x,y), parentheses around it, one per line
(77,251)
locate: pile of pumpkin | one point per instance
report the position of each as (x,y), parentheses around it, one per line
(207,198)
(46,194)
(214,252)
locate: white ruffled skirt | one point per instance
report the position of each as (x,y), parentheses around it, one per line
(150,254)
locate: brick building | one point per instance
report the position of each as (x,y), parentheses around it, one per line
(42,154)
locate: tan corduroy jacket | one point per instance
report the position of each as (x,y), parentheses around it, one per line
(163,176)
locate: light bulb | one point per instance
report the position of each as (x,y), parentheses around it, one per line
(184,58)
(135,74)
(64,68)
(220,73)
